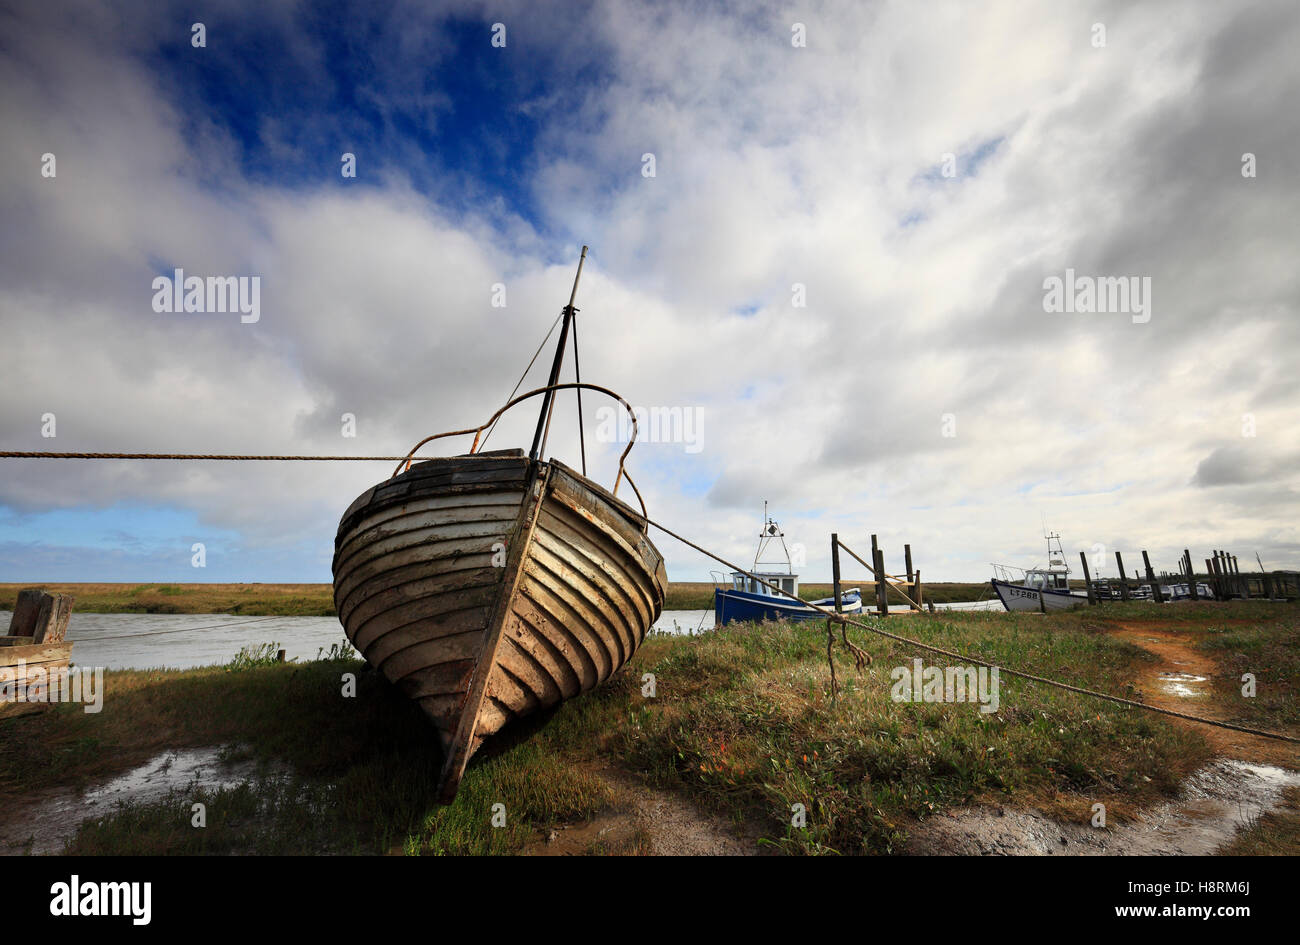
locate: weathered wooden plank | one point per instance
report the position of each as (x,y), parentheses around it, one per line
(23,621)
(34,653)
(364,580)
(463,624)
(563,671)
(545,614)
(599,595)
(590,624)
(389,596)
(624,568)
(429,611)
(52,621)
(474,536)
(542,677)
(427,661)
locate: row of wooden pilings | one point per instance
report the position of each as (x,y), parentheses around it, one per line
(1223,578)
(907,586)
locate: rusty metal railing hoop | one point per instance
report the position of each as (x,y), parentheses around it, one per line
(478,433)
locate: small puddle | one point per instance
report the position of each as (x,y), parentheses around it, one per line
(46,825)
(1183,685)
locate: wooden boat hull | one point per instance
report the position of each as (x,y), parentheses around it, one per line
(488,587)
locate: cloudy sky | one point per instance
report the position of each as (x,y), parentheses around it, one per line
(821,230)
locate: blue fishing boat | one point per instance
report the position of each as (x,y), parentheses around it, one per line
(748,599)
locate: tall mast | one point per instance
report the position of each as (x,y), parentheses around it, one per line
(548,399)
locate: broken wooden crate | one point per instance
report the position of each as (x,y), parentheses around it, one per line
(35,645)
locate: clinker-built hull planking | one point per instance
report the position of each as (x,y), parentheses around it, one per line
(488,587)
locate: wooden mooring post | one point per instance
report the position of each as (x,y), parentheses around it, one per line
(1243,582)
(835,570)
(882,584)
(1087,579)
(913,579)
(1123,577)
(1191,575)
(1156,595)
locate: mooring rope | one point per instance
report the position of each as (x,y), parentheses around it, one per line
(858,655)
(43,454)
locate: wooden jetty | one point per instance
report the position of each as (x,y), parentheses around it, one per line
(1221,579)
(907,585)
(35,645)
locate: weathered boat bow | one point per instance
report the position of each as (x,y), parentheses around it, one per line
(490,586)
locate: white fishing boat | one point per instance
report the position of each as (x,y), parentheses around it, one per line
(1038,589)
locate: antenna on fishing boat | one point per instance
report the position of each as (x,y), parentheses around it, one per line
(770,531)
(548,399)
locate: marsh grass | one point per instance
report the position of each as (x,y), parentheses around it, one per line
(1267,649)
(255,654)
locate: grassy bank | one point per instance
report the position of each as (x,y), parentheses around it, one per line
(317,600)
(741,724)
(1266,650)
(283,600)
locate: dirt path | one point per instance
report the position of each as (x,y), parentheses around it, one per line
(1248,780)
(649,821)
